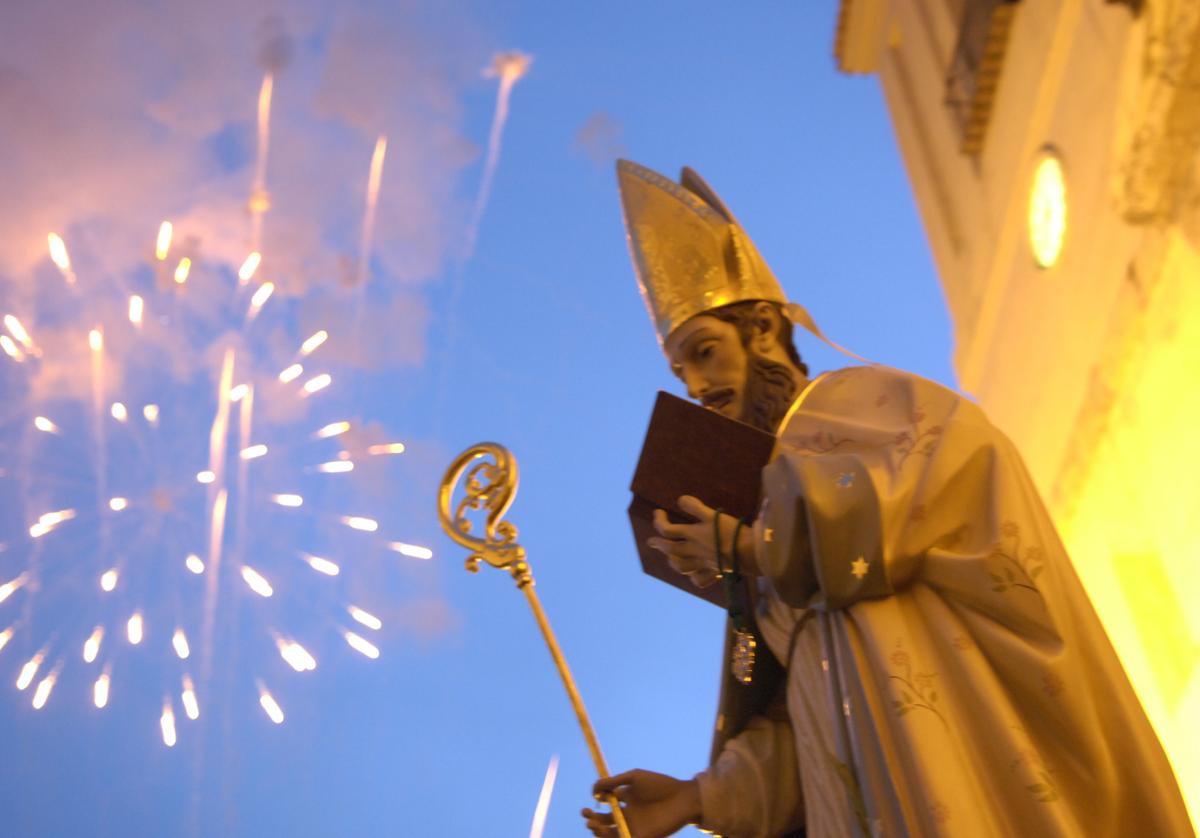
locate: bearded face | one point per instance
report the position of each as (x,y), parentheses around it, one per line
(770,389)
(725,373)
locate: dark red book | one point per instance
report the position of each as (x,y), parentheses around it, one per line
(690,450)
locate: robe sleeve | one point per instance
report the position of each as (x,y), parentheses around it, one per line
(753,789)
(850,475)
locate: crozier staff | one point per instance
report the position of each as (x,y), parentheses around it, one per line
(944,671)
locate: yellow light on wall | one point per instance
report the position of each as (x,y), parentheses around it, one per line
(1047,211)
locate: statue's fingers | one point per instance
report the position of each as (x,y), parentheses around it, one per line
(686,564)
(600,823)
(671,546)
(704,578)
(693,548)
(696,507)
(607,784)
(664,526)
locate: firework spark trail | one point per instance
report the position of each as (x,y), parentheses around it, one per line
(543,804)
(245,426)
(374,179)
(96,344)
(508,67)
(368,229)
(260,198)
(217,498)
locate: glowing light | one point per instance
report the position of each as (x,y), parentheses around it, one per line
(256,581)
(45,425)
(336,467)
(191,707)
(52,519)
(182,270)
(297,656)
(11,587)
(119,411)
(246,271)
(100,689)
(194,564)
(28,671)
(47,521)
(333,429)
(239,392)
(18,331)
(1047,211)
(354,522)
(318,382)
(5,636)
(313,341)
(260,297)
(365,617)
(135,628)
(57,517)
(58,255)
(137,307)
(162,245)
(42,693)
(291,373)
(386,448)
(288,500)
(91,646)
(540,811)
(206,476)
(10,348)
(108,580)
(167,723)
(322,565)
(150,411)
(413,551)
(268,703)
(117,504)
(253,452)
(96,340)
(362,645)
(179,641)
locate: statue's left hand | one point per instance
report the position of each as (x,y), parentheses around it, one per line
(690,548)
(655,805)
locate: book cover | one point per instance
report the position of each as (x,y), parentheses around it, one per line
(690,450)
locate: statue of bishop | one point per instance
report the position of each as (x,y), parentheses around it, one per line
(942,669)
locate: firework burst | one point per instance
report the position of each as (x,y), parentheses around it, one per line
(175,470)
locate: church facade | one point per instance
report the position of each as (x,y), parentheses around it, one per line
(1054,152)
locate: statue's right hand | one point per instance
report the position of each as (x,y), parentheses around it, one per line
(688,547)
(654,805)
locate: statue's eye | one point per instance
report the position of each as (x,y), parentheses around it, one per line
(705,350)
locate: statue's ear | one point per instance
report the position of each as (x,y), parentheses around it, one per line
(692,182)
(766,325)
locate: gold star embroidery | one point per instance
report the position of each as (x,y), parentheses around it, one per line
(859,567)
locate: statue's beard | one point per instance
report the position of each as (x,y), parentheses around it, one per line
(770,391)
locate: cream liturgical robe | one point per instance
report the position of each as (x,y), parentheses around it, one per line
(946,673)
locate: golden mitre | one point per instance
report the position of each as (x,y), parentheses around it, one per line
(689,252)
